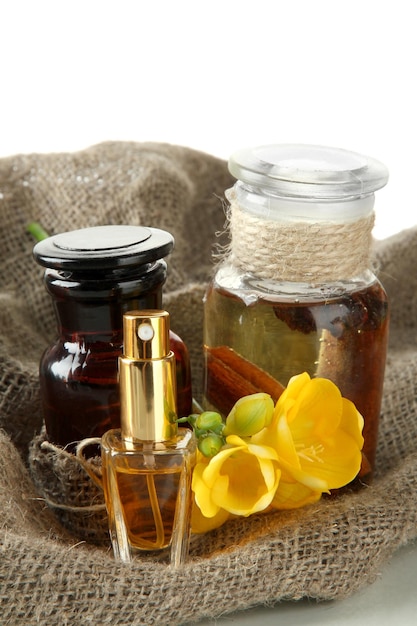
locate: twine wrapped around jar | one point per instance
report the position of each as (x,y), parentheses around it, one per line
(299,251)
(62,483)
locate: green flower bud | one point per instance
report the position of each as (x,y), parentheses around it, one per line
(210,444)
(209,420)
(250,415)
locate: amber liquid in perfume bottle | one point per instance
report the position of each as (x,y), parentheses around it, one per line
(149,502)
(341,337)
(147,491)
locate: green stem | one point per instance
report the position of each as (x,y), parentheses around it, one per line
(36,231)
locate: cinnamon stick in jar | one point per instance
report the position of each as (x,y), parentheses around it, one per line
(230,377)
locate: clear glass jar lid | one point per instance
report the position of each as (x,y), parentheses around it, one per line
(309,172)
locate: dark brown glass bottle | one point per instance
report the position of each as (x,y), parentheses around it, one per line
(94,276)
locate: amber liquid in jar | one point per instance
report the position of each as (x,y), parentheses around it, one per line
(79,388)
(79,372)
(339,333)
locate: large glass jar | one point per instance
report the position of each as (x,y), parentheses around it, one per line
(295,292)
(94,276)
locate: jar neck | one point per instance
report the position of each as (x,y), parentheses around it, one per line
(291,240)
(265,204)
(94,304)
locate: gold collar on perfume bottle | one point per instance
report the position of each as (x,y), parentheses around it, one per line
(147,378)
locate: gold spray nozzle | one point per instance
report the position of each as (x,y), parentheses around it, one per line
(146,334)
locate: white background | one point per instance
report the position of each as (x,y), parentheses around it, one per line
(216,76)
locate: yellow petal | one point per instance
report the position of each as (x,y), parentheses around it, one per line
(202,492)
(220,491)
(236,441)
(339,463)
(247,484)
(352,422)
(328,465)
(294,495)
(285,443)
(291,393)
(269,472)
(202,524)
(305,477)
(317,409)
(295,385)
(263,452)
(214,467)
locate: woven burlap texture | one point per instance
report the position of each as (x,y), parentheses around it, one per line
(326,551)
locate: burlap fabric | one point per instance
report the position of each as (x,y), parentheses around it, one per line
(325,551)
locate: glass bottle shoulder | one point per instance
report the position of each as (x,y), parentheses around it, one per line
(183,443)
(251,289)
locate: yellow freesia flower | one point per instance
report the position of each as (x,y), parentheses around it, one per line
(318,437)
(241,479)
(283,457)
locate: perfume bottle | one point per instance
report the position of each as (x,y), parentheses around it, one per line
(296,292)
(95,275)
(147,463)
